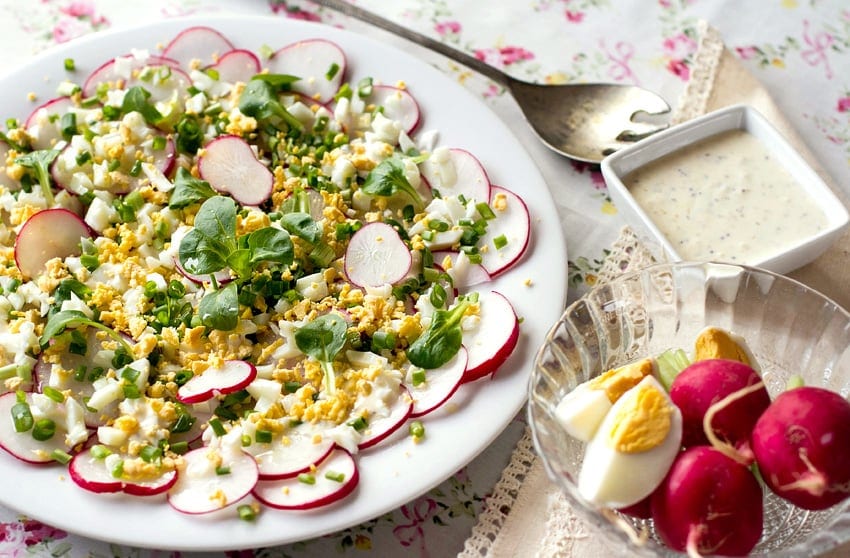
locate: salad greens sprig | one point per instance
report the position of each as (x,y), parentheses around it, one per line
(64,319)
(322,339)
(388,179)
(442,340)
(39,161)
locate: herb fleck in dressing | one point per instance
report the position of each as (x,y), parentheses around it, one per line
(726,198)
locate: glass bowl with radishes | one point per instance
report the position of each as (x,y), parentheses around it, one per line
(700,408)
(227,273)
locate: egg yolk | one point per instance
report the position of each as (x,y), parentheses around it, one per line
(713,342)
(618,381)
(643,422)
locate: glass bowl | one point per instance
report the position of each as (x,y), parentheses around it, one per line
(790,328)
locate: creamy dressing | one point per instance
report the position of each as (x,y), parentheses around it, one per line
(726,198)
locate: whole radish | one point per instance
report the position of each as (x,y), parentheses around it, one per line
(802,446)
(708,504)
(734,395)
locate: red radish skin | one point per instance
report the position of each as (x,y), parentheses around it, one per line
(493,341)
(200,43)
(48,135)
(293,494)
(230,166)
(802,447)
(48,234)
(512,224)
(440,384)
(708,504)
(398,104)
(178,81)
(237,65)
(199,489)
(91,474)
(232,376)
(705,383)
(469,177)
(376,256)
(311,60)
(380,428)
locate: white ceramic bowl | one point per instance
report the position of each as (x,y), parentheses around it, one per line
(790,328)
(790,255)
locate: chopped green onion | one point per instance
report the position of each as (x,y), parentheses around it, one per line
(183,376)
(359,424)
(70,65)
(438,296)
(90,261)
(500,242)
(53,394)
(383,340)
(246,440)
(307,478)
(217,427)
(332,71)
(99,451)
(150,454)
(222,470)
(246,512)
(43,429)
(159,143)
(117,469)
(263,436)
(291,387)
(418,377)
(22,416)
(179,447)
(364,87)
(417,429)
(335,476)
(485,211)
(437,225)
(61,456)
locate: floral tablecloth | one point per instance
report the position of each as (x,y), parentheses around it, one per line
(799,50)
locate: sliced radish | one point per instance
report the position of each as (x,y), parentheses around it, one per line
(21,444)
(494,339)
(48,234)
(198,43)
(201,485)
(281,460)
(512,228)
(463,272)
(237,65)
(380,428)
(43,124)
(440,384)
(376,255)
(319,63)
(456,172)
(169,81)
(397,104)
(231,376)
(230,166)
(335,478)
(94,475)
(222,276)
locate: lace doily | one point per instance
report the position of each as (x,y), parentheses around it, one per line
(695,97)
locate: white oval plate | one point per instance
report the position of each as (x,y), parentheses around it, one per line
(391,475)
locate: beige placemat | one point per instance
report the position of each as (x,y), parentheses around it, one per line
(527,515)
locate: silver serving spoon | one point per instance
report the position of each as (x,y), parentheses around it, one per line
(582,121)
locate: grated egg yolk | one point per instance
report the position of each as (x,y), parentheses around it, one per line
(618,381)
(643,422)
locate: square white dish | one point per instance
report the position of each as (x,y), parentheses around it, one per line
(792,254)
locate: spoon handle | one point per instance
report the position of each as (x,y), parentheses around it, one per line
(418,38)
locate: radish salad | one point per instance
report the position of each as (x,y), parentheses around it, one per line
(226,273)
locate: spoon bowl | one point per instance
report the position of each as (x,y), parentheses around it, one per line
(581,121)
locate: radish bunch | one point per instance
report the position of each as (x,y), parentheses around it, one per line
(240,272)
(710,501)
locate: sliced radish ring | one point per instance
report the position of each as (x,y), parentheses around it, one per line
(507,235)
(380,428)
(231,376)
(460,174)
(48,234)
(200,488)
(493,341)
(319,63)
(335,478)
(229,165)
(198,43)
(44,130)
(397,104)
(439,385)
(463,272)
(237,65)
(126,72)
(222,276)
(278,460)
(376,255)
(21,444)
(92,474)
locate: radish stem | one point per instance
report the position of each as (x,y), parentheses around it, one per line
(724,447)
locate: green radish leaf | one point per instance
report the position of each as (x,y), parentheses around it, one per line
(220,309)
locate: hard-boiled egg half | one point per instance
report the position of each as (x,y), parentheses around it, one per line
(582,410)
(714,342)
(633,448)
